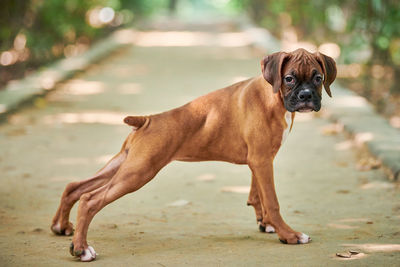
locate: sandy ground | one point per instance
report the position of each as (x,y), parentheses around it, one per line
(191,214)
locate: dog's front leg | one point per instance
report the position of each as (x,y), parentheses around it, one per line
(254,200)
(263,175)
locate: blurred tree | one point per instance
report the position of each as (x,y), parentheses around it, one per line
(368,31)
(11,14)
(33,32)
(379,22)
(172,6)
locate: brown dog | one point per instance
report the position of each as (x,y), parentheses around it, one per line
(244,123)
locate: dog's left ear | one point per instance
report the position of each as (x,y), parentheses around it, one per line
(271,67)
(329,68)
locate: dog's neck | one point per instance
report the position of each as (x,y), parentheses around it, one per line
(274,105)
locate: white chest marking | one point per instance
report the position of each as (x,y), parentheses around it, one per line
(288,119)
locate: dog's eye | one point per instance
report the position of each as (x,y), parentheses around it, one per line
(289,79)
(318,79)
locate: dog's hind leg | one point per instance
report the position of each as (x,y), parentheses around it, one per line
(73,191)
(254,200)
(134,173)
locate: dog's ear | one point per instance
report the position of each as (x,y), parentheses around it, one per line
(271,67)
(329,68)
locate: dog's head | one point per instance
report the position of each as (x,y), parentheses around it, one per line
(299,76)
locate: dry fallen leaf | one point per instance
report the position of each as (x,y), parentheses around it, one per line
(366,164)
(179,203)
(343,255)
(353,254)
(332,129)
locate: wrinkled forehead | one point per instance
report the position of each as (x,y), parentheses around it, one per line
(303,65)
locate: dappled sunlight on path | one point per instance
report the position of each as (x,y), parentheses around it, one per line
(191,213)
(103,117)
(184,38)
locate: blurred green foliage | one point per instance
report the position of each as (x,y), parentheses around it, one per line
(367,31)
(48,23)
(33,32)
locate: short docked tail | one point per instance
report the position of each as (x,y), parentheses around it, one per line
(135,121)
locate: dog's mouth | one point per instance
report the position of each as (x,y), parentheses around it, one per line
(302,107)
(292,103)
(305,107)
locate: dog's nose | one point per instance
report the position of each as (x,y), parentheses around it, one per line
(304,95)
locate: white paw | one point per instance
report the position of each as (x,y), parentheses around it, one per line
(56,228)
(269,229)
(304,239)
(88,255)
(59,231)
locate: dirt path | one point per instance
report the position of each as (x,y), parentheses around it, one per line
(188,215)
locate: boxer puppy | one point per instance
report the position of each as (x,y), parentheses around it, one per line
(244,123)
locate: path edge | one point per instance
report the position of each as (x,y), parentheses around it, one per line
(20,93)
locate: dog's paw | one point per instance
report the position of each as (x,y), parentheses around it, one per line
(299,238)
(62,230)
(87,254)
(266,228)
(269,229)
(303,239)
